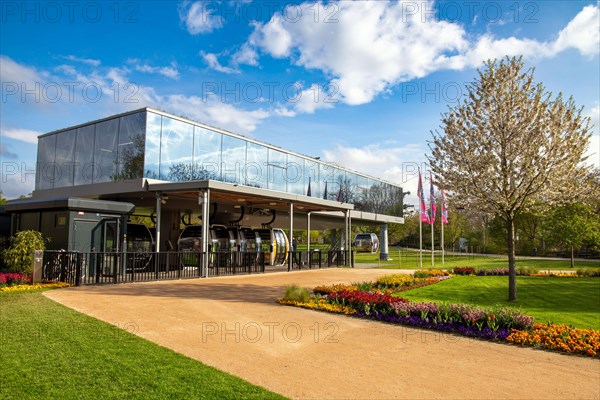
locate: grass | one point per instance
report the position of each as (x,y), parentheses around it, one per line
(561,300)
(50,351)
(409,259)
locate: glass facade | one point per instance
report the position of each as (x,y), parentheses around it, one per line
(106,151)
(151,145)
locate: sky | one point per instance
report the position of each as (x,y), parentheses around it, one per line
(361,84)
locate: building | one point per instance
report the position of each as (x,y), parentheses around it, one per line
(175,171)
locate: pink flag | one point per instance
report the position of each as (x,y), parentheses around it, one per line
(444,209)
(432,205)
(422,206)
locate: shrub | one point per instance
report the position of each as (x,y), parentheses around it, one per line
(296,293)
(426,273)
(463,271)
(19,256)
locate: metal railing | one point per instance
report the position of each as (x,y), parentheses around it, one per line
(78,268)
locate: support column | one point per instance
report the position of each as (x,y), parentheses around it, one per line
(291,238)
(308,232)
(158,212)
(384,253)
(204,201)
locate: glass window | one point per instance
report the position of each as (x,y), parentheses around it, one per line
(233,159)
(255,171)
(294,176)
(105,150)
(329,177)
(152,147)
(311,174)
(45,174)
(85,169)
(207,154)
(176,151)
(131,146)
(64,159)
(277,170)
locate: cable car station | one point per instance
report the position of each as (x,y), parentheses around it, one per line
(214,202)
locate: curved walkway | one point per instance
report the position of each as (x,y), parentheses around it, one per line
(233,324)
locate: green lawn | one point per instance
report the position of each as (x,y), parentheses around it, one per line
(409,259)
(561,300)
(48,351)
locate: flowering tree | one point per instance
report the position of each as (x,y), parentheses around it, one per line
(509,146)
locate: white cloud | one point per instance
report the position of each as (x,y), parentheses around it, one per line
(213,62)
(245,55)
(22,135)
(373,46)
(582,33)
(593,151)
(198,17)
(169,72)
(13,72)
(88,61)
(314,98)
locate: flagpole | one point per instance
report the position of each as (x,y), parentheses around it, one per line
(432,245)
(420,242)
(442,242)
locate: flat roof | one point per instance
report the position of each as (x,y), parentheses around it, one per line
(70,203)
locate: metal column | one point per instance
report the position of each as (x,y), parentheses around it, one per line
(204,200)
(384,253)
(290,257)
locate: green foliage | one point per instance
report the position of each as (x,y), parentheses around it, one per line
(364,286)
(296,293)
(19,256)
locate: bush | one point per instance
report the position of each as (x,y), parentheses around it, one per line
(463,271)
(19,256)
(296,293)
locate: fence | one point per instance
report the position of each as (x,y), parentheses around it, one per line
(78,268)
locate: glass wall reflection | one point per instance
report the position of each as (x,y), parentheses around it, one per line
(147,144)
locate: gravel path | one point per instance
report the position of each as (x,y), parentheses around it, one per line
(234,324)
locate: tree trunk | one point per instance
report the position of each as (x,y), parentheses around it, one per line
(512,272)
(572,257)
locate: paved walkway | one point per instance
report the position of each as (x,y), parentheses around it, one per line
(233,324)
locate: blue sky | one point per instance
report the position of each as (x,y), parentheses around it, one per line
(361,84)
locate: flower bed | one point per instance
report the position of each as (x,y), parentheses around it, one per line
(11,279)
(21,288)
(558,337)
(491,323)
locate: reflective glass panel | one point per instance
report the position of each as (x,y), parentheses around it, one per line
(295,176)
(65,151)
(233,158)
(105,150)
(277,170)
(176,148)
(45,165)
(152,148)
(255,171)
(311,174)
(84,158)
(207,154)
(131,146)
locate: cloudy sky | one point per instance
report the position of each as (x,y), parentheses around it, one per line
(359,83)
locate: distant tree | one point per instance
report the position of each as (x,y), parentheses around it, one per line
(2,198)
(509,145)
(574,225)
